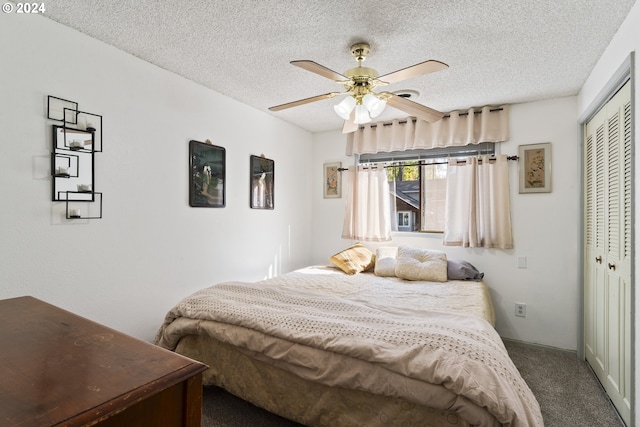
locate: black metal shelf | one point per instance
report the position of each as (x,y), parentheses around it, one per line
(75,140)
(68,212)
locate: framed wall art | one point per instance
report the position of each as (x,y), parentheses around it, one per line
(262,182)
(535,168)
(332,180)
(207,168)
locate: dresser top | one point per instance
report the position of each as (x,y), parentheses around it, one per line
(57,368)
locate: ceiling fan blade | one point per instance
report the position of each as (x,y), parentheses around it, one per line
(412,108)
(420,69)
(304,101)
(321,70)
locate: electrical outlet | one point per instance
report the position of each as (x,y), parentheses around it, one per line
(521,309)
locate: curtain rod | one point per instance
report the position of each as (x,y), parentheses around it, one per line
(446,116)
(460,162)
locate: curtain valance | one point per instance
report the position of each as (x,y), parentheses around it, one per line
(473,126)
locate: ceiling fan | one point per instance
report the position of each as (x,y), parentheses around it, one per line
(362,103)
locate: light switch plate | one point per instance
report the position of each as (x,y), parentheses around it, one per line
(522,262)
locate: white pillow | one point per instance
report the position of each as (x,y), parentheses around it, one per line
(386,261)
(421,264)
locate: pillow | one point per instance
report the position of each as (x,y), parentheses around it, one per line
(386,261)
(421,264)
(354,259)
(458,269)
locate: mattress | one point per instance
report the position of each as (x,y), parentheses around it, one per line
(424,345)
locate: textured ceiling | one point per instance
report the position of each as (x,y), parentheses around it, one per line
(498,51)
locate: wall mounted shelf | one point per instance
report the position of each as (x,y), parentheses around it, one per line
(74,143)
(79,213)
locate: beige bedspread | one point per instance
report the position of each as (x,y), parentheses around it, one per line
(360,332)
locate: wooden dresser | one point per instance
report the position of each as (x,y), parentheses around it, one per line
(59,369)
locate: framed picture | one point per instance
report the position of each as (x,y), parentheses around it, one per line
(332,180)
(535,168)
(207,165)
(261,180)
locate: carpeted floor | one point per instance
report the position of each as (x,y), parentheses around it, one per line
(221,409)
(568,393)
(567,390)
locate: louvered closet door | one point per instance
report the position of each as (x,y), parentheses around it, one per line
(607,210)
(595,290)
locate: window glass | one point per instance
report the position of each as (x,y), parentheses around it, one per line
(434,189)
(418,182)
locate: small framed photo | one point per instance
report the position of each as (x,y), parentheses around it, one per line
(207,167)
(262,182)
(535,168)
(332,180)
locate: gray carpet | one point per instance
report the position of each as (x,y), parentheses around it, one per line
(567,390)
(568,393)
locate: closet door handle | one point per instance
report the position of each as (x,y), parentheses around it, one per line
(599,259)
(612,266)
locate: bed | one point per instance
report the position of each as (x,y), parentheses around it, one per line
(326,348)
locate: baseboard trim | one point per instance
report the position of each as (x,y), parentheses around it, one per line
(548,347)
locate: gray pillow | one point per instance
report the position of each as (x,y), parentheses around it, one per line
(458,269)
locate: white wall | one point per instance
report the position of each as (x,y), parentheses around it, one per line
(545,229)
(151,249)
(626,40)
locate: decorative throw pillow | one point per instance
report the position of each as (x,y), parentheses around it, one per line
(386,261)
(421,264)
(354,259)
(458,269)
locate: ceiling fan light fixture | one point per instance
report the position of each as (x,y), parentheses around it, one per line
(374,105)
(362,103)
(344,108)
(362,115)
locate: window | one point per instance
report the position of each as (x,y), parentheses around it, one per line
(418,181)
(407,221)
(434,191)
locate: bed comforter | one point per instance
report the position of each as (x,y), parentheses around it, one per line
(358,338)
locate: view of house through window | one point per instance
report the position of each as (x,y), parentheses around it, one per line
(418,183)
(418,188)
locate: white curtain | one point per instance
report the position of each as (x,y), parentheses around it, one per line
(457,128)
(478,213)
(367,213)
